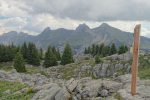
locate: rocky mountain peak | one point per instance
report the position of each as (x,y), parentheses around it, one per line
(82,27)
(46,30)
(104,25)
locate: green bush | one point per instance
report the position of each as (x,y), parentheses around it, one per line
(19,63)
(97,60)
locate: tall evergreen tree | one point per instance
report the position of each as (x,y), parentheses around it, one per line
(19,63)
(41,53)
(113,49)
(126,48)
(104,51)
(107,52)
(89,50)
(97,50)
(67,56)
(50,59)
(24,50)
(101,48)
(33,55)
(7,53)
(122,49)
(58,55)
(93,49)
(85,51)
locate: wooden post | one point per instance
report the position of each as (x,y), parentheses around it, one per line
(134,68)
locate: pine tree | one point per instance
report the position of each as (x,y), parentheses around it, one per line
(50,59)
(122,49)
(7,53)
(19,63)
(97,59)
(97,50)
(107,52)
(58,55)
(104,51)
(89,50)
(85,51)
(24,50)
(67,56)
(113,49)
(41,53)
(93,50)
(126,48)
(33,55)
(101,48)
(54,50)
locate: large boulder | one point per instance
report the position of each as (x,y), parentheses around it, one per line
(104,93)
(71,84)
(30,79)
(92,88)
(4,75)
(143,88)
(63,94)
(124,78)
(124,57)
(127,96)
(108,69)
(48,92)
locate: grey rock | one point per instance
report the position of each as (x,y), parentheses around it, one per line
(47,93)
(85,94)
(108,69)
(97,98)
(127,96)
(71,84)
(125,57)
(63,94)
(78,96)
(112,86)
(104,93)
(124,78)
(144,91)
(74,98)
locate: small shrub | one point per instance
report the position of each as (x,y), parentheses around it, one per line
(118,96)
(86,58)
(97,60)
(30,90)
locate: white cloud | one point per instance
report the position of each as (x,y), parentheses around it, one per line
(13,8)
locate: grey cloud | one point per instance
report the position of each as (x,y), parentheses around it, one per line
(97,10)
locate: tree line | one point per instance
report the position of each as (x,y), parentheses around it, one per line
(30,54)
(105,50)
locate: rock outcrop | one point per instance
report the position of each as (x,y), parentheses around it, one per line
(81,89)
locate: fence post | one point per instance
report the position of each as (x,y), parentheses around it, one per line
(134,68)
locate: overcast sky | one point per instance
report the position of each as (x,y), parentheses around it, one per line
(33,16)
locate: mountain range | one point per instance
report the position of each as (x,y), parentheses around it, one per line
(79,38)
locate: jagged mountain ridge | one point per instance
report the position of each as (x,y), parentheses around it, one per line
(80,37)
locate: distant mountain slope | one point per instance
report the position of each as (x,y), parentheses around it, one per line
(80,37)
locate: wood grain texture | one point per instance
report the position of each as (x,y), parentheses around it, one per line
(134,68)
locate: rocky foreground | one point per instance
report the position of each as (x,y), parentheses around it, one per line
(79,89)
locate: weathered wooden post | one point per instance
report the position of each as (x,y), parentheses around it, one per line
(134,69)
